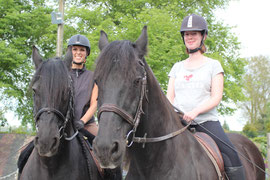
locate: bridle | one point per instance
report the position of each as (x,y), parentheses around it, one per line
(60,115)
(107,107)
(124,114)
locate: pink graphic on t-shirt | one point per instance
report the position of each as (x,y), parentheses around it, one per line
(187,77)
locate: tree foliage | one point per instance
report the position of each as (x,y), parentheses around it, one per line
(225,126)
(3,120)
(250,130)
(23,23)
(120,19)
(257,90)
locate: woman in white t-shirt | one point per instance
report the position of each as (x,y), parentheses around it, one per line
(196,87)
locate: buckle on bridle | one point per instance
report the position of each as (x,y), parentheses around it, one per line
(127,138)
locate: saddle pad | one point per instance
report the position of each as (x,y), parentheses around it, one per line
(212,147)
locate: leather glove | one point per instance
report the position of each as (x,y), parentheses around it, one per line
(79,124)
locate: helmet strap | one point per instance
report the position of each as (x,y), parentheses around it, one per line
(80,63)
(196,49)
(77,63)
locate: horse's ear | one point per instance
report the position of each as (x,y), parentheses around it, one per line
(142,41)
(37,59)
(103,40)
(68,57)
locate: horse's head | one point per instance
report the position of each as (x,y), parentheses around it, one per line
(52,90)
(121,78)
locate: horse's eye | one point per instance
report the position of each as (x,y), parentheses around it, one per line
(137,81)
(141,63)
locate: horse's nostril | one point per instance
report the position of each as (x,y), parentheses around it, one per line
(55,142)
(115,147)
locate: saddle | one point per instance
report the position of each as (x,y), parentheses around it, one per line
(87,141)
(89,148)
(212,151)
(112,174)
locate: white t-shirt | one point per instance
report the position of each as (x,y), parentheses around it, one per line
(193,87)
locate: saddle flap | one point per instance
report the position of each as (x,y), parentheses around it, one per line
(210,145)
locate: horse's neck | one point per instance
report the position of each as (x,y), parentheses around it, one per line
(69,156)
(158,110)
(159,119)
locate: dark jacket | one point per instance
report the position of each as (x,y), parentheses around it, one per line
(83,82)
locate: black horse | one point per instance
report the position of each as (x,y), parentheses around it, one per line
(135,113)
(60,151)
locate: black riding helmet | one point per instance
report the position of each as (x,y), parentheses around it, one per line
(194,22)
(80,40)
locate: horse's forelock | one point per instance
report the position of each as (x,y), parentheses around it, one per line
(118,56)
(54,78)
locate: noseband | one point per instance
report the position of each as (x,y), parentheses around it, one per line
(60,115)
(136,120)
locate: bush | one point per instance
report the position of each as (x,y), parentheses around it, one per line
(261,143)
(18,130)
(250,131)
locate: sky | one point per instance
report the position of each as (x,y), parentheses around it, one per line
(251,19)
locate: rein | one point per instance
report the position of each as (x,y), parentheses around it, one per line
(136,120)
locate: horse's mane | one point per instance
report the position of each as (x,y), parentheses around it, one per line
(55,80)
(119,56)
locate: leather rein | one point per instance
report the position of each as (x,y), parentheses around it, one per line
(106,107)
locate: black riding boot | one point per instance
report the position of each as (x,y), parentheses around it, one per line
(24,156)
(235,173)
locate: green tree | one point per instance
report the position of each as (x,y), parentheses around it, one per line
(257,91)
(3,120)
(23,23)
(250,130)
(226,126)
(263,123)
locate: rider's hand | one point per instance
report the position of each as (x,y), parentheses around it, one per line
(190,116)
(79,124)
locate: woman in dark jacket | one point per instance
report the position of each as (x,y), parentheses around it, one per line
(85,90)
